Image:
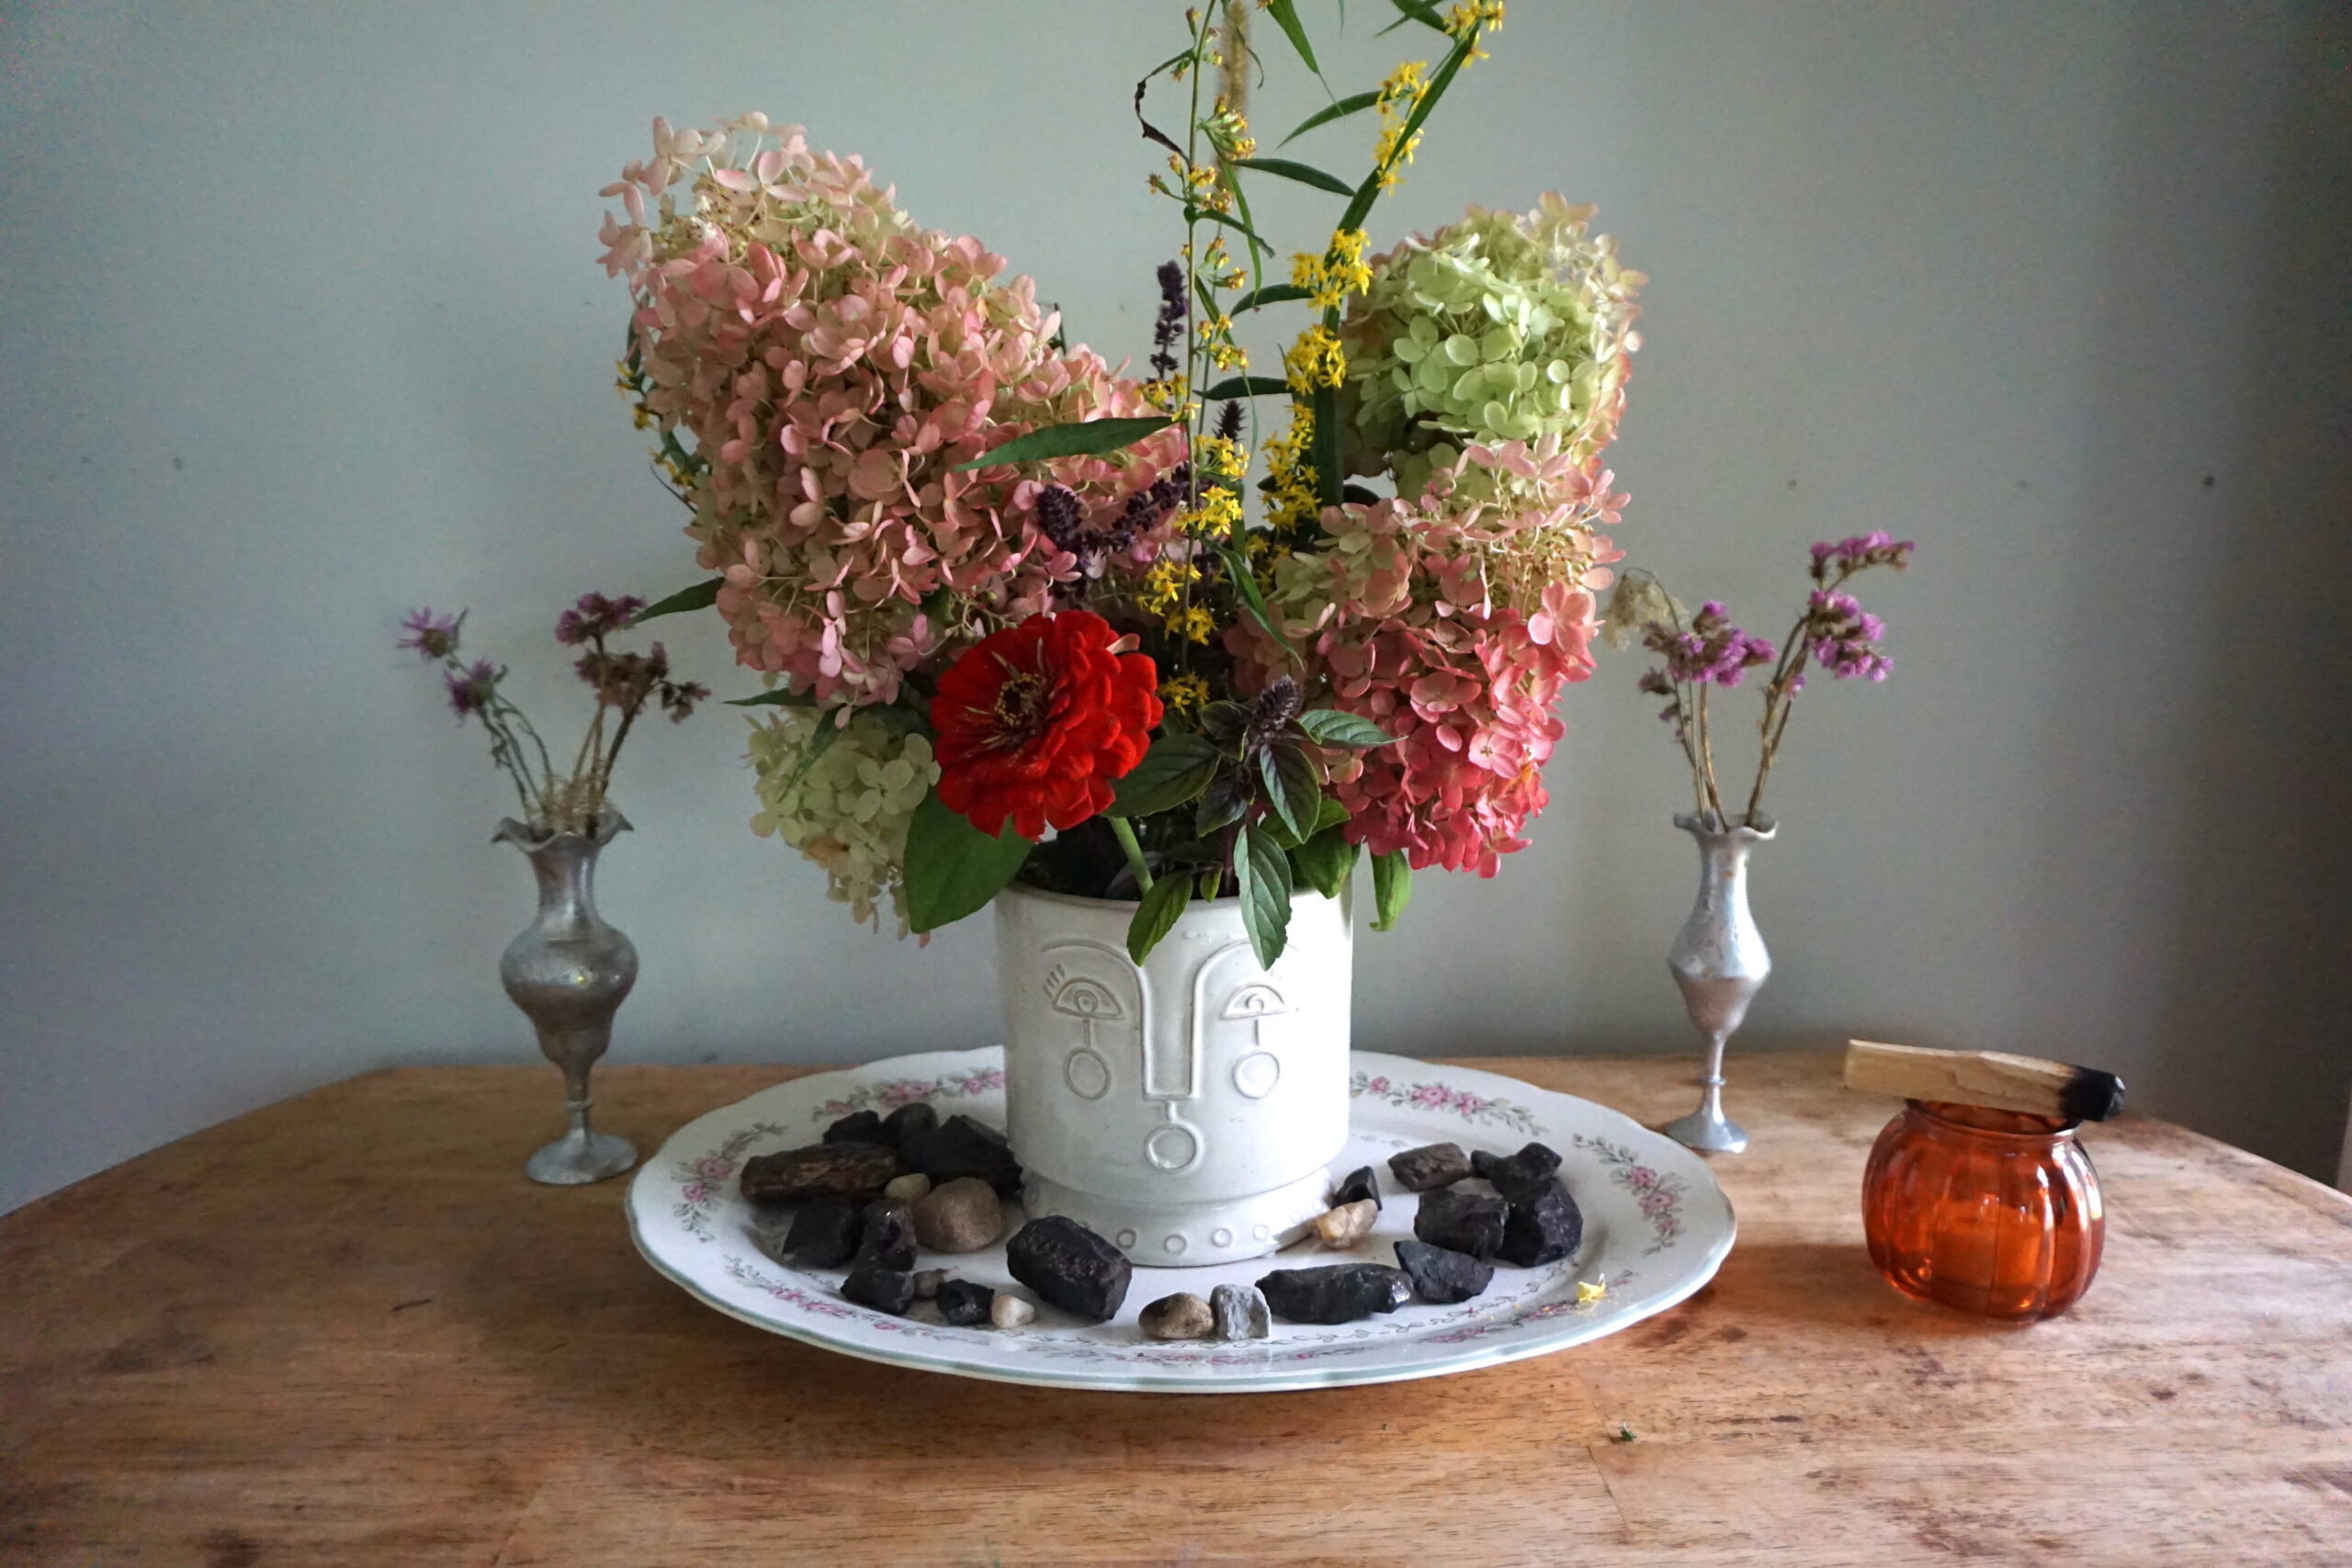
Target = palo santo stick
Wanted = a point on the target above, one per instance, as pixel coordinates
(1991, 1078)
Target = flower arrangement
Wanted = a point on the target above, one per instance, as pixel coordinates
(1014, 608)
(1699, 651)
(571, 801)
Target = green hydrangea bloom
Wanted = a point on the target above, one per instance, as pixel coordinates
(1502, 327)
(843, 797)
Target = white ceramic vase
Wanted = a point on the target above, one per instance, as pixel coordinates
(1187, 1109)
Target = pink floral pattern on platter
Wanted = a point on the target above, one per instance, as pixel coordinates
(1461, 1102)
(898, 1093)
(1659, 1197)
(703, 1179)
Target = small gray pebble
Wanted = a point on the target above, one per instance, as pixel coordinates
(1240, 1312)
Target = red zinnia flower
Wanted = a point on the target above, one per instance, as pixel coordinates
(1034, 721)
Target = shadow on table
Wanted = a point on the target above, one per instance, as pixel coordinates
(1830, 1286)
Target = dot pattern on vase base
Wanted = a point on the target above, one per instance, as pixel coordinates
(1220, 1237)
(1175, 1244)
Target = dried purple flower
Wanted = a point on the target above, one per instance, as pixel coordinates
(596, 616)
(472, 691)
(1849, 556)
(433, 636)
(1843, 635)
(679, 697)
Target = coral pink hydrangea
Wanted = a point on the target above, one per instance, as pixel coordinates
(1453, 622)
(834, 364)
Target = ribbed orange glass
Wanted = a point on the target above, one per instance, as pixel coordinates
(1993, 1213)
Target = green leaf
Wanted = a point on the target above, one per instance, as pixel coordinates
(701, 596)
(1355, 103)
(1082, 440)
(1224, 722)
(953, 868)
(1291, 788)
(1246, 387)
(1331, 814)
(1325, 861)
(779, 698)
(1207, 215)
(1212, 883)
(1325, 445)
(1263, 872)
(1175, 771)
(1272, 294)
(1221, 806)
(1285, 17)
(1163, 901)
(1420, 11)
(1332, 727)
(1392, 889)
(1304, 173)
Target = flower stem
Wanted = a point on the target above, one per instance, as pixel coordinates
(1126, 833)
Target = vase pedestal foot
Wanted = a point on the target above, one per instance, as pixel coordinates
(1708, 1132)
(579, 1158)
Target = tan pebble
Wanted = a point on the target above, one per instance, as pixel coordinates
(907, 1189)
(1347, 1224)
(1009, 1311)
(927, 1282)
(1181, 1316)
(962, 1215)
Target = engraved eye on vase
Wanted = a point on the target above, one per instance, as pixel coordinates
(1186, 1109)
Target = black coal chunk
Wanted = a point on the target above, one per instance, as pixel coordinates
(961, 1146)
(1070, 1265)
(1463, 1222)
(1515, 1176)
(1355, 1187)
(884, 1290)
(888, 1240)
(1545, 1226)
(1442, 1275)
(1339, 1293)
(1429, 1167)
(857, 1127)
(965, 1303)
(908, 1122)
(823, 1234)
(821, 1170)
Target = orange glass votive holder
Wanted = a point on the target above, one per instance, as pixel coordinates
(1994, 1213)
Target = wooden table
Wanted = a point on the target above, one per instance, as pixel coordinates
(343, 1330)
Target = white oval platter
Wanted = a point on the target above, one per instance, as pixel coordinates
(1657, 1227)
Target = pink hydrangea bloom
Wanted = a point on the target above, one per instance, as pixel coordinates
(834, 364)
(1453, 622)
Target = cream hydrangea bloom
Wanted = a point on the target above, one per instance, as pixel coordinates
(1502, 327)
(843, 797)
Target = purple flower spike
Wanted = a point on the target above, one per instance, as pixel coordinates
(433, 636)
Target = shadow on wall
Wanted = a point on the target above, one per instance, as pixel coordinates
(2253, 1034)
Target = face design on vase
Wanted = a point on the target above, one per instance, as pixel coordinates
(1213, 1056)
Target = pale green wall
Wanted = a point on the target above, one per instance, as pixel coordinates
(303, 327)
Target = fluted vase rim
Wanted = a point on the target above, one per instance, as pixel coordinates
(1700, 827)
(532, 837)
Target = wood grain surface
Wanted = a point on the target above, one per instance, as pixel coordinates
(343, 1330)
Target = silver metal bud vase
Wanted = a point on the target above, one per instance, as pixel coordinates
(1719, 963)
(569, 973)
